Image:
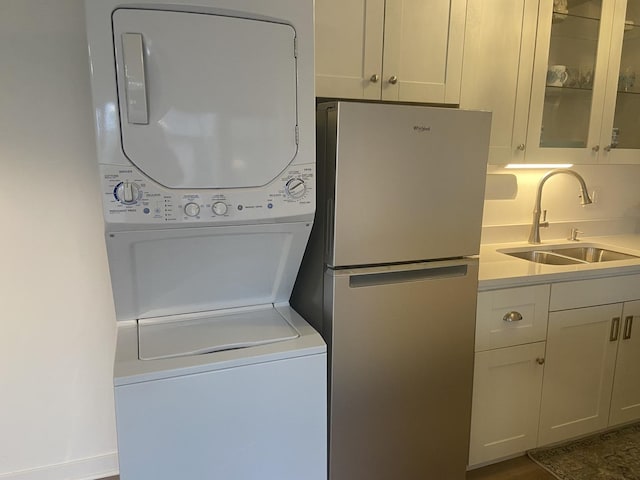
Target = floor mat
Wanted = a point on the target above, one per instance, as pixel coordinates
(613, 455)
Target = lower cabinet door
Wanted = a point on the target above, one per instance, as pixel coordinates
(580, 363)
(507, 384)
(625, 399)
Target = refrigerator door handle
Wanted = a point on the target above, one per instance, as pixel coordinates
(386, 278)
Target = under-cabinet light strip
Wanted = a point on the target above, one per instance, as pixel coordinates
(539, 165)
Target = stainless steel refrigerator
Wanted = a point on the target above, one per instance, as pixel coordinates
(389, 278)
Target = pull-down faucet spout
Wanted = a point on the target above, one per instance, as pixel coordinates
(534, 236)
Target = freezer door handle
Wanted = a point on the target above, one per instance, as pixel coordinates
(386, 278)
(135, 81)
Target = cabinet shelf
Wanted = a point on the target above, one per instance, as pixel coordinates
(628, 92)
(563, 15)
(559, 90)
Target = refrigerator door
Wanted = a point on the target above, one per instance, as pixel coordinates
(403, 183)
(401, 370)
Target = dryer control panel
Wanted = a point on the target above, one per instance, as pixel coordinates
(129, 197)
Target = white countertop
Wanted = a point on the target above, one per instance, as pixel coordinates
(498, 270)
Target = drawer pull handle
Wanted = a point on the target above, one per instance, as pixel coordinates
(628, 324)
(540, 360)
(512, 317)
(615, 329)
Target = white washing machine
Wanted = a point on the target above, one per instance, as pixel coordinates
(204, 113)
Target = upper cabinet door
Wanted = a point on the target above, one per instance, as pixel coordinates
(569, 81)
(621, 121)
(499, 47)
(349, 37)
(397, 50)
(423, 46)
(206, 101)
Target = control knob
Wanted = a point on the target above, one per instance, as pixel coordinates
(219, 208)
(127, 193)
(191, 209)
(295, 188)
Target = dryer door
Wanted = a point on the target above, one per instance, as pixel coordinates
(206, 101)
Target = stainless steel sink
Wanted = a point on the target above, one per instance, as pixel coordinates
(594, 254)
(569, 255)
(543, 256)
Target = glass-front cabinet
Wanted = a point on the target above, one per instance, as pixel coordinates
(585, 102)
(621, 143)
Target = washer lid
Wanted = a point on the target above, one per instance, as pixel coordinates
(206, 333)
(206, 101)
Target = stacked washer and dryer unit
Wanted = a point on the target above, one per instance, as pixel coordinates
(204, 115)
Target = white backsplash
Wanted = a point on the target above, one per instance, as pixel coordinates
(508, 209)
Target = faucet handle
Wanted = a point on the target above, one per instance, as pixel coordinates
(574, 235)
(544, 223)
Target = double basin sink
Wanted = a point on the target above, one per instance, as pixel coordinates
(568, 255)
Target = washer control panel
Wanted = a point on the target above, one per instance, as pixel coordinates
(131, 198)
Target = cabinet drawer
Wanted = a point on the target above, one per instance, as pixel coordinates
(511, 317)
(597, 291)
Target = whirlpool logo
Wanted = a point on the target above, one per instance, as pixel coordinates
(421, 128)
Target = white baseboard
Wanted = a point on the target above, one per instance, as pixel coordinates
(86, 469)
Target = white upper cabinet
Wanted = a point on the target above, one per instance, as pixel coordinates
(560, 77)
(497, 68)
(569, 81)
(585, 104)
(349, 35)
(619, 137)
(395, 50)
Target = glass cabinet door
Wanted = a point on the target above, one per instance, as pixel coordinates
(570, 71)
(620, 135)
(569, 81)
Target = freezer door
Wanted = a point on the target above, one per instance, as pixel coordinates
(401, 345)
(404, 183)
(206, 101)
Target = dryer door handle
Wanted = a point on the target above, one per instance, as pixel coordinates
(135, 80)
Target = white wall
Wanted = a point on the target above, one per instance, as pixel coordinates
(616, 209)
(57, 322)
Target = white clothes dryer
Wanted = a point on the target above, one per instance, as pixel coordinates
(204, 114)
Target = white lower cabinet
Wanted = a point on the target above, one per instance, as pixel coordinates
(506, 401)
(580, 362)
(592, 374)
(551, 381)
(511, 326)
(625, 398)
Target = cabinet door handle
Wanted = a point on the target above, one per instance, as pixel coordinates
(521, 147)
(512, 316)
(628, 324)
(540, 360)
(615, 329)
(393, 80)
(374, 78)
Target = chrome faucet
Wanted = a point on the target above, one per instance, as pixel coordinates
(534, 236)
